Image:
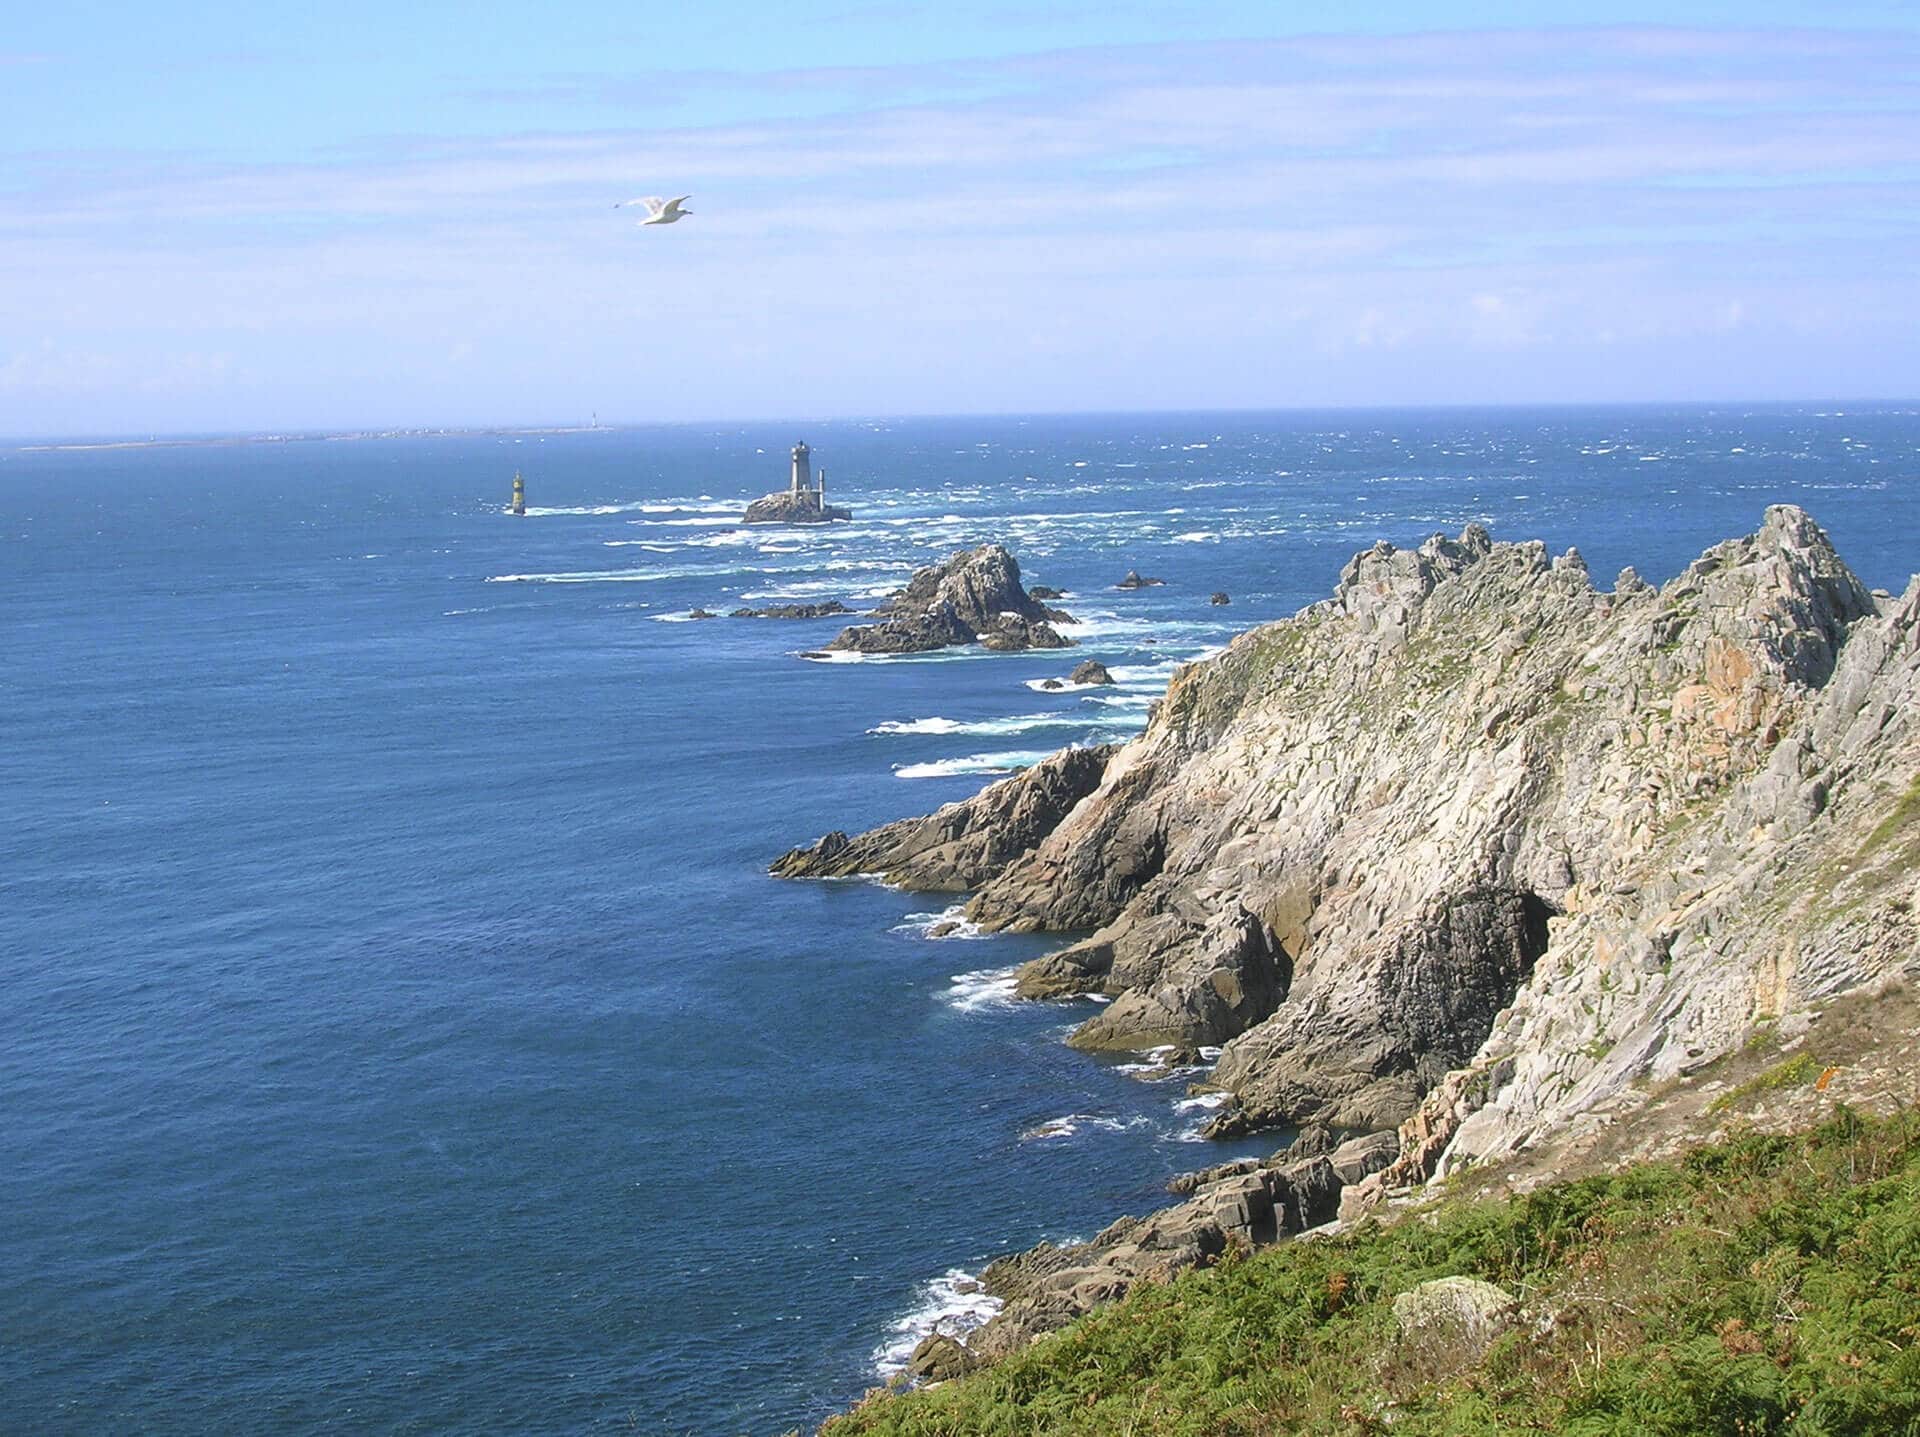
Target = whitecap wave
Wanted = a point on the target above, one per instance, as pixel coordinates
(953, 1304)
(1059, 686)
(974, 763)
(1013, 723)
(985, 988)
(1201, 1103)
(952, 923)
(1073, 1124)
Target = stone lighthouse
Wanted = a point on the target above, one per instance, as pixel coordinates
(805, 501)
(519, 495)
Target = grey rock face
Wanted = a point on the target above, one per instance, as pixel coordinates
(975, 596)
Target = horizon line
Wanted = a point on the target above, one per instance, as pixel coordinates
(43, 443)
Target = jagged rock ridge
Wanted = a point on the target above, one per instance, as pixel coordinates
(1476, 835)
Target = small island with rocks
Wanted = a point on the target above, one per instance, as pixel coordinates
(803, 502)
(974, 597)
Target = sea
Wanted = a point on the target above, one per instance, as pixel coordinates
(401, 1032)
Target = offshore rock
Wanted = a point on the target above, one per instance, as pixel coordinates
(965, 843)
(975, 596)
(794, 611)
(1219, 598)
(788, 507)
(1135, 581)
(1090, 672)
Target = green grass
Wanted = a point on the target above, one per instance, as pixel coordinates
(1767, 1285)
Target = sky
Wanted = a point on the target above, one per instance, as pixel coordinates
(221, 218)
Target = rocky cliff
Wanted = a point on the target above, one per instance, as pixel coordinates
(974, 597)
(1475, 846)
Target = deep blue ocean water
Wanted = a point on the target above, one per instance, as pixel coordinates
(401, 1033)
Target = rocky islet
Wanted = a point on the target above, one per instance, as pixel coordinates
(973, 597)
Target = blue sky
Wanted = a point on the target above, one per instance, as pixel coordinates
(228, 217)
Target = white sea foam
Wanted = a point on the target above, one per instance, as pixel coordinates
(626, 576)
(953, 1304)
(1010, 762)
(983, 989)
(952, 921)
(925, 725)
(1073, 1124)
(1014, 723)
(1197, 536)
(1058, 686)
(1202, 1103)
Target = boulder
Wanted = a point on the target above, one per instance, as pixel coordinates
(940, 1358)
(702, 614)
(1041, 591)
(1218, 597)
(1090, 672)
(1461, 1315)
(1359, 1158)
(1134, 580)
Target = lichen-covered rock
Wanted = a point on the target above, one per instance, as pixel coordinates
(1463, 1313)
(975, 596)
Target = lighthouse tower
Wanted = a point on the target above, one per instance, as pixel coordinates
(519, 495)
(802, 469)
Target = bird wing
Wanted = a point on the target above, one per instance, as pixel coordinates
(673, 206)
(653, 203)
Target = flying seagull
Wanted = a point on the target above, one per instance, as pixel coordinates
(659, 211)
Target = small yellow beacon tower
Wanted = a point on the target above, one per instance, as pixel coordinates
(519, 495)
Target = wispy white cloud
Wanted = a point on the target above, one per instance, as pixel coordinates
(1553, 193)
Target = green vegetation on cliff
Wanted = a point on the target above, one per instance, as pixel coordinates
(1766, 1285)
